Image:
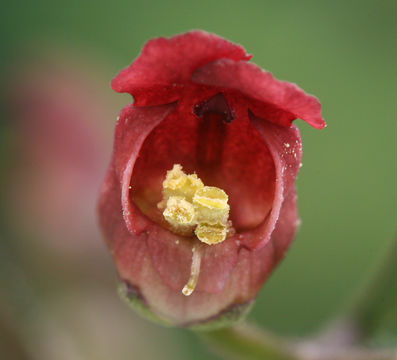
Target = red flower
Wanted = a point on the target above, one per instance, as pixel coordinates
(201, 104)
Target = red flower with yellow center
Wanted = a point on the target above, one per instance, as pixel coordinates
(199, 203)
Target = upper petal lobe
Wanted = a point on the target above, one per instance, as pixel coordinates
(291, 101)
(167, 64)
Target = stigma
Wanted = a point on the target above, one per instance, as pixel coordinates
(193, 209)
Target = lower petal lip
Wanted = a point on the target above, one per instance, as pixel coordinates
(253, 266)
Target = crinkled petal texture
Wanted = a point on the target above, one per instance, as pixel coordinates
(199, 103)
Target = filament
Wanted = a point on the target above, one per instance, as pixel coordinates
(194, 272)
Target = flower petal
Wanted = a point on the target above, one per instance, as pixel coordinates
(282, 101)
(165, 65)
(133, 126)
(172, 257)
(285, 147)
(128, 250)
(252, 268)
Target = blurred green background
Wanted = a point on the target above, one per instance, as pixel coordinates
(344, 52)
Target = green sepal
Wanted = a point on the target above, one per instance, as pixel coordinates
(226, 318)
(135, 301)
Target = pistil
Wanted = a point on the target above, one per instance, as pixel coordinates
(194, 272)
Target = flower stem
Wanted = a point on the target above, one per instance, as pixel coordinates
(243, 341)
(246, 342)
(374, 299)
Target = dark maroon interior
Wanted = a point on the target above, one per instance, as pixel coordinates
(224, 150)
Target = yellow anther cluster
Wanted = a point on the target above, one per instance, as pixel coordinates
(191, 206)
(177, 183)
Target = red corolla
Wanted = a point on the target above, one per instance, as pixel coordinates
(199, 204)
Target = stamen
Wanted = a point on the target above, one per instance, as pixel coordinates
(179, 211)
(211, 234)
(180, 214)
(190, 207)
(177, 183)
(211, 205)
(194, 272)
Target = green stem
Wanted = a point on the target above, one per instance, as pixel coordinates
(246, 342)
(361, 317)
(376, 297)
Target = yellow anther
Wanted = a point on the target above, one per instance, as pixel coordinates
(211, 197)
(177, 183)
(211, 234)
(180, 214)
(189, 205)
(179, 211)
(211, 205)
